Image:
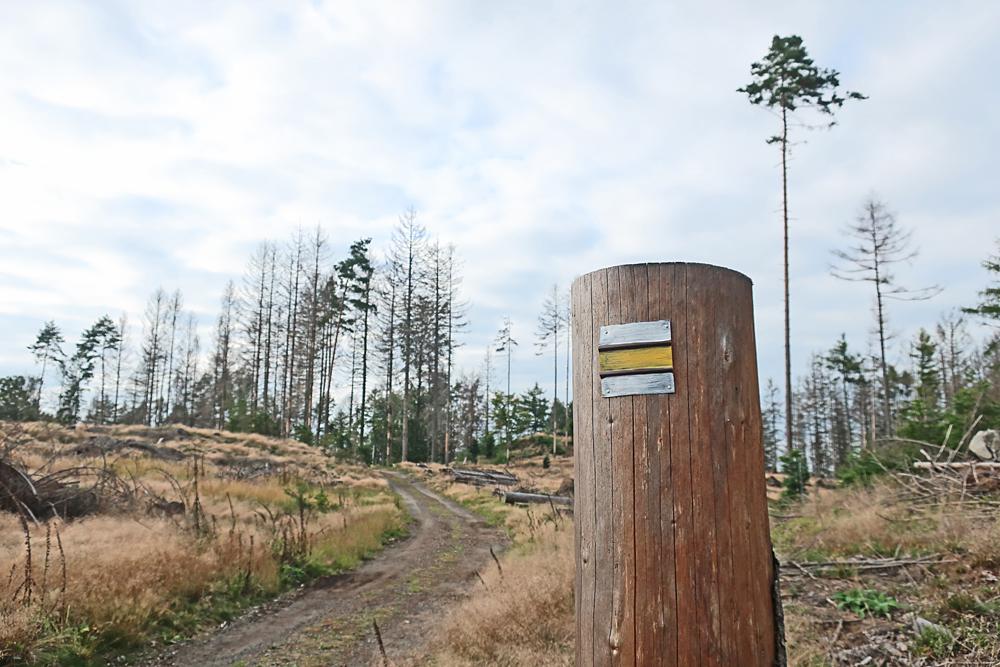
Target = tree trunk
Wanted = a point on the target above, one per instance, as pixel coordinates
(555, 370)
(118, 367)
(509, 415)
(566, 418)
(885, 367)
(788, 327)
(364, 366)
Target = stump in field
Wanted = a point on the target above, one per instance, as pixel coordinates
(673, 555)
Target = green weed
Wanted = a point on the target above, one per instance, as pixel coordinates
(866, 602)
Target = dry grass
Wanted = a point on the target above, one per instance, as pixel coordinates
(527, 617)
(874, 522)
(961, 594)
(43, 440)
(523, 617)
(133, 573)
(520, 523)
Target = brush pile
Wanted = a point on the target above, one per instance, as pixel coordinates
(61, 492)
(941, 479)
(67, 493)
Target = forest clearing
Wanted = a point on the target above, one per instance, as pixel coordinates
(903, 569)
(360, 333)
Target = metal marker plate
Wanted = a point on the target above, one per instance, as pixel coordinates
(632, 360)
(634, 334)
(629, 385)
(635, 359)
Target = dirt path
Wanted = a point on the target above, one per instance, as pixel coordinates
(405, 589)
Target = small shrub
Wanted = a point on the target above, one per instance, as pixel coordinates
(963, 603)
(303, 434)
(934, 643)
(488, 445)
(291, 575)
(793, 464)
(859, 470)
(866, 602)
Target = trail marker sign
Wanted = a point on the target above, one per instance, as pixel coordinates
(673, 549)
(635, 359)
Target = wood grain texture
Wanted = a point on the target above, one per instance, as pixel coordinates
(665, 290)
(736, 346)
(649, 607)
(673, 550)
(685, 565)
(636, 359)
(708, 465)
(621, 308)
(604, 526)
(757, 521)
(584, 466)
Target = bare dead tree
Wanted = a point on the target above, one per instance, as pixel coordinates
(878, 244)
(550, 328)
(408, 241)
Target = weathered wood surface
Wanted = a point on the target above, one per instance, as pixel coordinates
(673, 550)
(623, 622)
(636, 360)
(634, 333)
(584, 465)
(604, 519)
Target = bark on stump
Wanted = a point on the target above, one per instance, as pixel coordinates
(673, 553)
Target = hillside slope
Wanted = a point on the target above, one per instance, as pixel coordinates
(123, 538)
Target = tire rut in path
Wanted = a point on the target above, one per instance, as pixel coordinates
(405, 589)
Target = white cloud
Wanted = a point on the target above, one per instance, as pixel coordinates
(143, 147)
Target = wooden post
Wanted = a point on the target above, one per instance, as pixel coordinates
(673, 553)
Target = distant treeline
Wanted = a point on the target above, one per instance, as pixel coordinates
(355, 354)
(853, 401)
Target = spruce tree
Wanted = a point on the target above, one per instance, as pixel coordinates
(848, 368)
(989, 298)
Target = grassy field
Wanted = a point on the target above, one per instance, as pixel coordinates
(894, 572)
(937, 600)
(181, 528)
(941, 606)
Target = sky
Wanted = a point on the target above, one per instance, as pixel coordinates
(152, 144)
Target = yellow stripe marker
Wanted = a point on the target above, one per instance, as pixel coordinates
(636, 360)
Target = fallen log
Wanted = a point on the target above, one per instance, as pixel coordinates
(511, 497)
(101, 444)
(482, 477)
(483, 473)
(977, 465)
(863, 564)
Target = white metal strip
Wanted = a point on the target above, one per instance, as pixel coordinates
(634, 333)
(633, 385)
